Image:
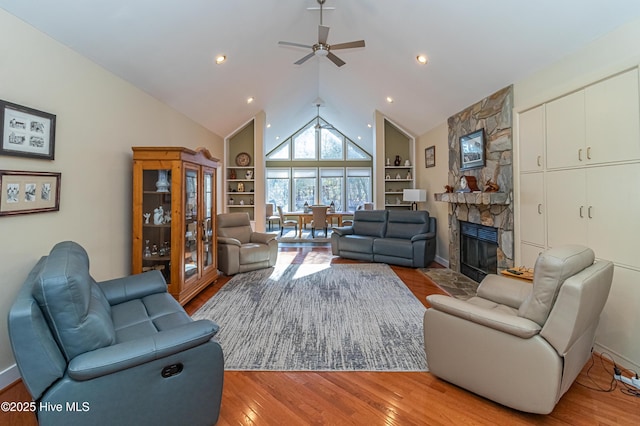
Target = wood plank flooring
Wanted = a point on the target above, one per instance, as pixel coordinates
(366, 398)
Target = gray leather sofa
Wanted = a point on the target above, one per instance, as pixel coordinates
(121, 351)
(521, 344)
(398, 237)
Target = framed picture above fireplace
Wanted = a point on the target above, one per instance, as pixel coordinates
(472, 150)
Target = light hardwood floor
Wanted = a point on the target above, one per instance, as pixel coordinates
(366, 398)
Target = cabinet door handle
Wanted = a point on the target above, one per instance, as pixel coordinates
(581, 208)
(539, 208)
(539, 160)
(580, 154)
(588, 153)
(589, 212)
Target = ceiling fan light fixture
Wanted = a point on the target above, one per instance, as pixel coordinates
(422, 59)
(321, 49)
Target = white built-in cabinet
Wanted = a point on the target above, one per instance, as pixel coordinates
(579, 171)
(595, 125)
(579, 182)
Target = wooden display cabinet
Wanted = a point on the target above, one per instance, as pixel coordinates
(174, 217)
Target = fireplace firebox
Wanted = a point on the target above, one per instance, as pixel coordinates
(478, 250)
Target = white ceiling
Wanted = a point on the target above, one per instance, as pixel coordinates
(475, 47)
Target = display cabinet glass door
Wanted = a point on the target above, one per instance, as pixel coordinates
(208, 218)
(191, 224)
(156, 222)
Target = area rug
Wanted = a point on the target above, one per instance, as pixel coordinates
(355, 317)
(456, 284)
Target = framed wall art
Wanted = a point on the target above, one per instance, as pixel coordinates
(430, 156)
(26, 132)
(472, 150)
(29, 192)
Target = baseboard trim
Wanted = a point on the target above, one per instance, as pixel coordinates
(444, 262)
(9, 376)
(619, 359)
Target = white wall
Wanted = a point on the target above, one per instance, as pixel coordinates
(619, 50)
(99, 118)
(433, 180)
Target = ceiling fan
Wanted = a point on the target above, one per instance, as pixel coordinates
(321, 48)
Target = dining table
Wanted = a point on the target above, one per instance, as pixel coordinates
(304, 216)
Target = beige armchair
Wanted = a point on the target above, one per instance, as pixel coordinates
(240, 249)
(516, 343)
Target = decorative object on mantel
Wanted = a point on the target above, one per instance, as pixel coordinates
(491, 186)
(448, 189)
(397, 161)
(472, 150)
(468, 184)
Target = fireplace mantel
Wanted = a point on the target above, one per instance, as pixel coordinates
(480, 198)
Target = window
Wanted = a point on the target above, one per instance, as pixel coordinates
(331, 145)
(332, 187)
(304, 144)
(358, 187)
(305, 182)
(282, 152)
(354, 152)
(279, 187)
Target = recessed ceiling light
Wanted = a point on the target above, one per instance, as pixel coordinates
(268, 125)
(369, 125)
(422, 59)
(359, 138)
(389, 99)
(250, 99)
(277, 137)
(220, 59)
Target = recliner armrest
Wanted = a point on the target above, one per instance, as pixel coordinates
(262, 237)
(343, 230)
(230, 241)
(131, 287)
(122, 356)
(425, 236)
(511, 324)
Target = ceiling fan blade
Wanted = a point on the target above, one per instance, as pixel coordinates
(304, 59)
(288, 43)
(333, 58)
(349, 45)
(323, 34)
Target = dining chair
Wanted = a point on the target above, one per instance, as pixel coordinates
(319, 219)
(271, 217)
(286, 222)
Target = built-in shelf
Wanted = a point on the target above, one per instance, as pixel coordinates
(478, 197)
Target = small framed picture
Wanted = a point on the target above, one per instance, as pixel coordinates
(472, 150)
(26, 132)
(29, 192)
(430, 156)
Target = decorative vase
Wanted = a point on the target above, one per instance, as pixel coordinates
(306, 207)
(397, 161)
(162, 185)
(332, 207)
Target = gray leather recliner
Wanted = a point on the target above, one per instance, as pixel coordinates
(521, 344)
(121, 351)
(240, 249)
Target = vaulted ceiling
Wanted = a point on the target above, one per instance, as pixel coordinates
(475, 47)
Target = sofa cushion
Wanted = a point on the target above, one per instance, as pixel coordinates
(372, 223)
(357, 243)
(406, 224)
(76, 308)
(395, 247)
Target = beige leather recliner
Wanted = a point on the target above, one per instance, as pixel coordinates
(240, 249)
(519, 344)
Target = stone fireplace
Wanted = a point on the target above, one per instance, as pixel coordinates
(489, 209)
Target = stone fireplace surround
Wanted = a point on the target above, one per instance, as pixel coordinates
(495, 209)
